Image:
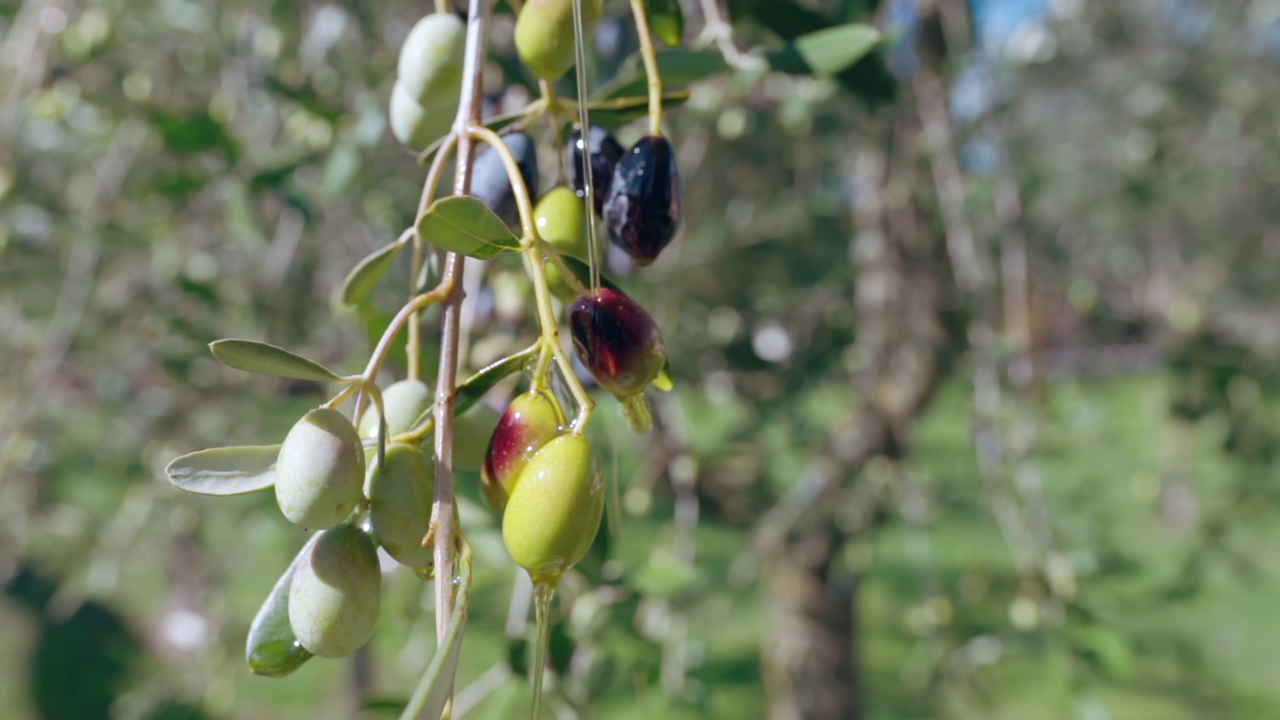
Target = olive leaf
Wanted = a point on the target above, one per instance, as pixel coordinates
(364, 277)
(677, 67)
(265, 359)
(432, 693)
(469, 391)
(225, 470)
(271, 648)
(615, 112)
(464, 225)
(827, 51)
(666, 19)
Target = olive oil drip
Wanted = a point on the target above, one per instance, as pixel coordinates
(584, 132)
(543, 589)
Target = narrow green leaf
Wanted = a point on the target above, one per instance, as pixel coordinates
(583, 271)
(271, 648)
(266, 359)
(225, 470)
(364, 277)
(666, 20)
(436, 686)
(678, 68)
(470, 391)
(615, 112)
(827, 51)
(463, 224)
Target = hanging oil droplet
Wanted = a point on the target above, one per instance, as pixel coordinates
(425, 573)
(542, 592)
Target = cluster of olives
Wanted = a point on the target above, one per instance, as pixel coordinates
(545, 482)
(424, 100)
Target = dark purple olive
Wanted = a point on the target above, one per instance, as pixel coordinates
(605, 153)
(489, 180)
(621, 346)
(643, 207)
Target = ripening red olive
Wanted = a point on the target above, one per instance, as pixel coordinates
(621, 345)
(530, 421)
(643, 206)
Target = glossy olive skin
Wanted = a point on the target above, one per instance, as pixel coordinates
(401, 491)
(554, 511)
(430, 64)
(605, 154)
(403, 402)
(561, 219)
(643, 207)
(320, 470)
(544, 34)
(530, 422)
(336, 592)
(415, 125)
(489, 180)
(617, 341)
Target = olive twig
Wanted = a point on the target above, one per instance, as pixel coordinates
(551, 336)
(413, 350)
(343, 394)
(544, 364)
(650, 66)
(380, 352)
(523, 203)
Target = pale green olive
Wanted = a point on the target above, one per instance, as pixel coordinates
(320, 470)
(544, 34)
(402, 403)
(430, 67)
(554, 511)
(401, 491)
(561, 219)
(418, 126)
(336, 593)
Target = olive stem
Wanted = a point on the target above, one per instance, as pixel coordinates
(413, 351)
(523, 203)
(437, 294)
(553, 109)
(343, 394)
(442, 6)
(551, 336)
(650, 66)
(442, 509)
(570, 277)
(544, 365)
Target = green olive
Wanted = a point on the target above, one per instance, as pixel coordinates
(561, 219)
(430, 67)
(544, 34)
(401, 491)
(336, 592)
(418, 126)
(529, 423)
(402, 403)
(320, 470)
(554, 511)
(471, 432)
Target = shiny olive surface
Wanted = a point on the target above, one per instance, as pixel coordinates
(643, 206)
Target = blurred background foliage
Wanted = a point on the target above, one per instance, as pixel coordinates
(974, 344)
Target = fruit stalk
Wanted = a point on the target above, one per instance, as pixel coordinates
(650, 65)
(442, 511)
(551, 337)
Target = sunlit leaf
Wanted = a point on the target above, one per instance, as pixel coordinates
(827, 51)
(436, 686)
(364, 277)
(225, 470)
(272, 649)
(463, 224)
(666, 20)
(678, 68)
(265, 359)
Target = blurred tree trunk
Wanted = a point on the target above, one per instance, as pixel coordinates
(810, 663)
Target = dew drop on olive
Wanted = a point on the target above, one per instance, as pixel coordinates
(336, 593)
(544, 34)
(554, 511)
(489, 181)
(401, 491)
(643, 206)
(430, 64)
(530, 422)
(320, 470)
(605, 154)
(402, 402)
